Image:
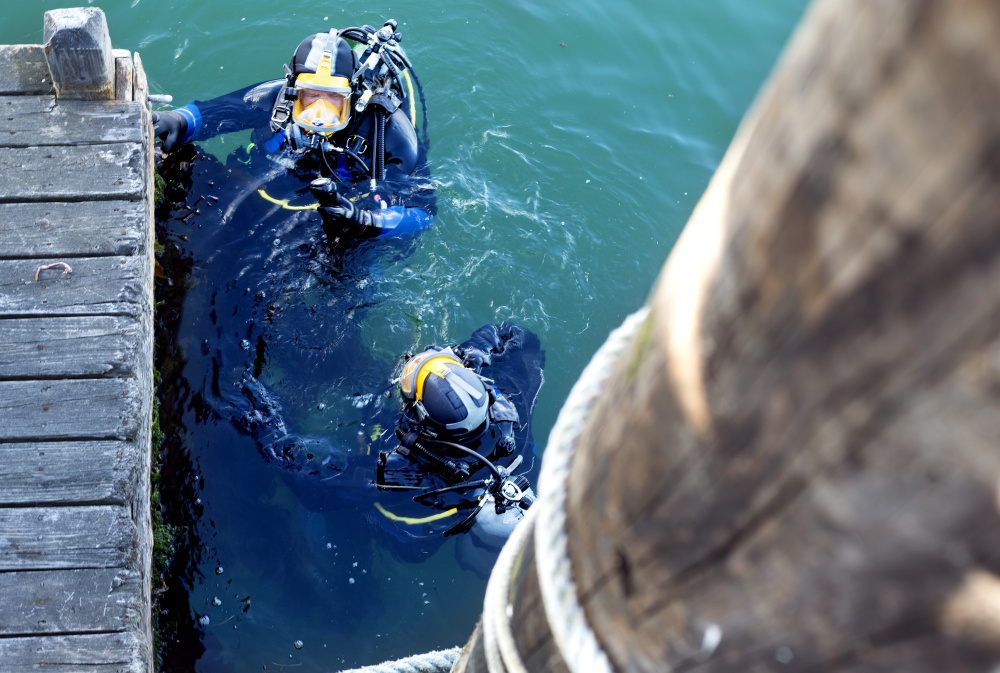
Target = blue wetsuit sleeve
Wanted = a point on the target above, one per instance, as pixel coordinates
(247, 108)
(192, 115)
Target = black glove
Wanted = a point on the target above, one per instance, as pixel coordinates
(341, 215)
(171, 126)
(474, 358)
(506, 445)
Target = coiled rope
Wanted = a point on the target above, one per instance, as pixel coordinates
(439, 661)
(545, 523)
(573, 636)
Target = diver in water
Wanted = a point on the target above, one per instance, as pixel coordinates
(343, 123)
(456, 432)
(454, 462)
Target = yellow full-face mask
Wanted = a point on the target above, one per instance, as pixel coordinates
(322, 115)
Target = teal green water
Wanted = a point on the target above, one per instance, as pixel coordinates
(570, 142)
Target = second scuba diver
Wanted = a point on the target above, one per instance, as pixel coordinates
(343, 126)
(455, 460)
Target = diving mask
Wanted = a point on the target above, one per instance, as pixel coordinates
(322, 115)
(324, 98)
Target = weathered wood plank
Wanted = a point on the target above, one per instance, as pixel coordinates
(23, 70)
(35, 121)
(70, 409)
(96, 600)
(70, 228)
(742, 472)
(74, 172)
(87, 346)
(53, 538)
(124, 76)
(86, 472)
(109, 285)
(94, 653)
(140, 87)
(78, 51)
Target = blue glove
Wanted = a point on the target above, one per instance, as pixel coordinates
(171, 126)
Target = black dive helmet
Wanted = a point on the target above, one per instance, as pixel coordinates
(448, 414)
(448, 399)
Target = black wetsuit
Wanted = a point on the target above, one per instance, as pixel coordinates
(385, 476)
(405, 197)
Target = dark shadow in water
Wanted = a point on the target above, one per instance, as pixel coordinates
(258, 320)
(179, 640)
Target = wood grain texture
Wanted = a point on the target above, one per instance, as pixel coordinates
(76, 377)
(96, 285)
(70, 409)
(140, 87)
(99, 171)
(124, 76)
(23, 71)
(68, 473)
(800, 451)
(68, 601)
(78, 52)
(117, 652)
(66, 538)
(87, 346)
(68, 229)
(38, 121)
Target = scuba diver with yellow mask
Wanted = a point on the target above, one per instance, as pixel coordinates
(342, 122)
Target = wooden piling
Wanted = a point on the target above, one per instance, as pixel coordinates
(796, 465)
(75, 351)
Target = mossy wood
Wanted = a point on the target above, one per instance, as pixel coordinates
(76, 372)
(796, 466)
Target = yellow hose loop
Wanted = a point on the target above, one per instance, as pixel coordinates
(284, 202)
(287, 206)
(410, 520)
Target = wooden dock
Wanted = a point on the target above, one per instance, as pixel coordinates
(76, 366)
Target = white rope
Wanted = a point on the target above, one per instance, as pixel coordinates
(439, 661)
(545, 520)
(498, 641)
(573, 636)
